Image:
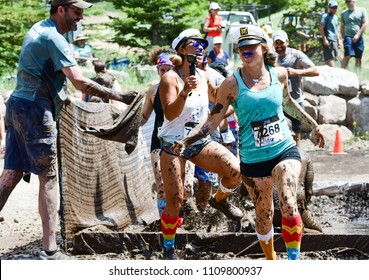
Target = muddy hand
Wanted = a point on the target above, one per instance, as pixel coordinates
(319, 138)
(178, 148)
(128, 96)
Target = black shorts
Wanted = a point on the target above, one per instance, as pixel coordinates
(264, 168)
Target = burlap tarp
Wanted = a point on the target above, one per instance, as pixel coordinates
(100, 183)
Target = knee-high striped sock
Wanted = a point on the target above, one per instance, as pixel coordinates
(292, 234)
(169, 228)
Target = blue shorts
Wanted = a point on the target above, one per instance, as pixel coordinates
(264, 168)
(189, 152)
(353, 49)
(202, 175)
(31, 137)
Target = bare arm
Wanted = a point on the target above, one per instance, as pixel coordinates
(173, 96)
(307, 72)
(292, 108)
(212, 90)
(322, 33)
(148, 105)
(363, 27)
(88, 86)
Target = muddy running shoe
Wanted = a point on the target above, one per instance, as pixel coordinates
(310, 222)
(1, 218)
(56, 256)
(232, 212)
(170, 255)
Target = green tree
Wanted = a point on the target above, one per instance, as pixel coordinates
(16, 18)
(156, 22)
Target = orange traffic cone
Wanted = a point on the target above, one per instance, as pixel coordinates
(338, 145)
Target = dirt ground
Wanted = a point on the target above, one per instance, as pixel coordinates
(338, 213)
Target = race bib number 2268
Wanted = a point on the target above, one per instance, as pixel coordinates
(267, 132)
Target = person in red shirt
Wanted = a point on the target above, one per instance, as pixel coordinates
(213, 24)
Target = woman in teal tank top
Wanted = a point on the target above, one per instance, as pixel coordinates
(269, 156)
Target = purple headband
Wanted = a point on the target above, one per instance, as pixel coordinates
(163, 59)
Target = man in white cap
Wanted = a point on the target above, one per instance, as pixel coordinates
(329, 32)
(298, 65)
(33, 108)
(213, 24)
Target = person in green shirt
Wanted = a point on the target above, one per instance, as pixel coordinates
(354, 21)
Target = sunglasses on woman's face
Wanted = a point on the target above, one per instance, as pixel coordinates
(197, 43)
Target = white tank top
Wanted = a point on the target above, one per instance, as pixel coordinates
(194, 111)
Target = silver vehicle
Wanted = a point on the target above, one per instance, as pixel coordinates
(230, 21)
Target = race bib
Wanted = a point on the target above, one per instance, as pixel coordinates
(267, 132)
(188, 127)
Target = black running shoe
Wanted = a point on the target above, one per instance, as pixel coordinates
(170, 255)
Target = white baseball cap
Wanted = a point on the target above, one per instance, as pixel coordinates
(214, 6)
(191, 33)
(333, 4)
(250, 35)
(280, 35)
(217, 40)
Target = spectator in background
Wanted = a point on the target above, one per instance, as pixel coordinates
(303, 36)
(103, 77)
(268, 30)
(354, 21)
(213, 24)
(329, 32)
(83, 52)
(217, 54)
(298, 65)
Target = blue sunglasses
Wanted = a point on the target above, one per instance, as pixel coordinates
(197, 43)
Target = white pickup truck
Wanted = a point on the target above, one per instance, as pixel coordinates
(230, 20)
(236, 18)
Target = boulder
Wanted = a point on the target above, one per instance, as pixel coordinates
(332, 81)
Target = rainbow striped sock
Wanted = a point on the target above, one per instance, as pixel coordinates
(292, 234)
(169, 228)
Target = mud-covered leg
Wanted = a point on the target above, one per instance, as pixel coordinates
(286, 175)
(260, 191)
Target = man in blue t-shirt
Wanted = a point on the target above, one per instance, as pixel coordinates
(33, 108)
(329, 32)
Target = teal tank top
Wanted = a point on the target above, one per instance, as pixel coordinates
(263, 129)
